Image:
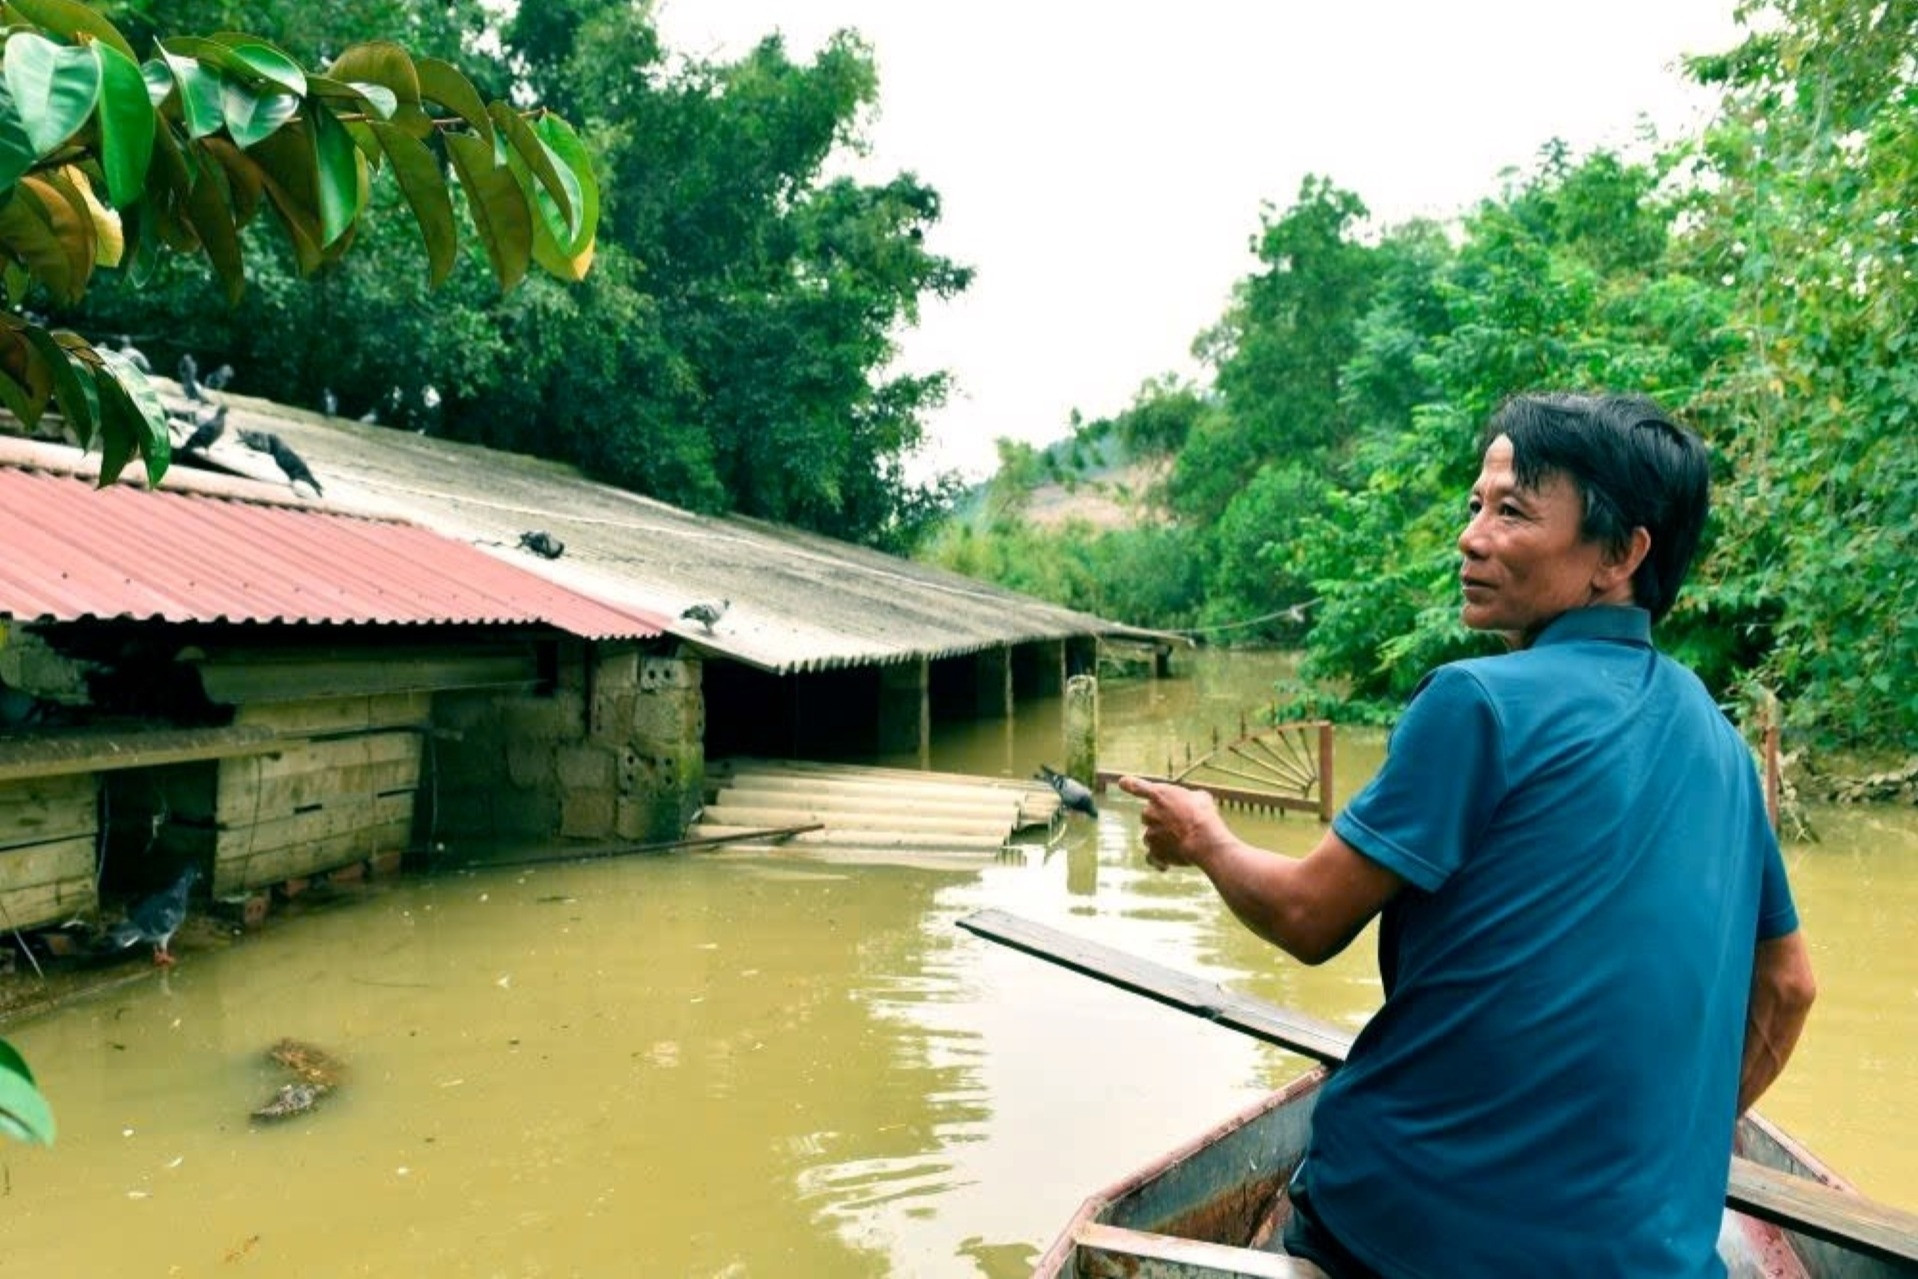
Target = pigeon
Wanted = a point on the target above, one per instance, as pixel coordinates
(1073, 793)
(706, 614)
(155, 919)
(135, 356)
(190, 378)
(207, 428)
(282, 453)
(329, 402)
(542, 544)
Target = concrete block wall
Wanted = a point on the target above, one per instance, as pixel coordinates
(615, 753)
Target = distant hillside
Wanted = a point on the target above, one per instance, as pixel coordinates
(1090, 477)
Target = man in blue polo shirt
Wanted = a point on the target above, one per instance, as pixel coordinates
(1590, 955)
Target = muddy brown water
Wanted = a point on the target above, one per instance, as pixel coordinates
(742, 1064)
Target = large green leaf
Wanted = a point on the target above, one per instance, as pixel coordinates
(577, 164)
(54, 87)
(252, 115)
(246, 185)
(379, 63)
(134, 420)
(28, 235)
(72, 389)
(254, 58)
(212, 215)
(424, 187)
(72, 20)
(200, 96)
(126, 124)
(26, 383)
(441, 82)
(16, 148)
(338, 182)
(24, 1114)
(286, 169)
(499, 208)
(523, 146)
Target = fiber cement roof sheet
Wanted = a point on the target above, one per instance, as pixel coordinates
(798, 601)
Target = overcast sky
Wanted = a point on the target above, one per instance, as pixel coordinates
(1102, 165)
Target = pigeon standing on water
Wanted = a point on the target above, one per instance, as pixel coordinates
(1073, 793)
(156, 919)
(707, 614)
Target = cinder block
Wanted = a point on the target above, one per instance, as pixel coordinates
(618, 670)
(587, 815)
(586, 767)
(530, 764)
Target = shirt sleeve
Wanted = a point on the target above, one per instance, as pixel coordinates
(1442, 780)
(1777, 913)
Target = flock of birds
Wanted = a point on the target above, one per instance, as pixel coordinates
(205, 418)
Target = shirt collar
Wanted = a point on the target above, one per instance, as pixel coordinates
(1624, 624)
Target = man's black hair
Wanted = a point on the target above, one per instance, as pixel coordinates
(1634, 468)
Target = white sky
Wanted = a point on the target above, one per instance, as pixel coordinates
(1102, 165)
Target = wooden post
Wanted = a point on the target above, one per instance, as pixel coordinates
(1325, 770)
(1082, 728)
(905, 710)
(992, 676)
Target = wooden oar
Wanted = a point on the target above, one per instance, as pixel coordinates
(1796, 1203)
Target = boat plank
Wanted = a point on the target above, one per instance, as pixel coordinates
(1803, 1205)
(1114, 1250)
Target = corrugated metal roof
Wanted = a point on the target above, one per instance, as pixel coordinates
(798, 601)
(75, 552)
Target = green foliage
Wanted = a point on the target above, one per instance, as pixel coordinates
(1758, 280)
(109, 163)
(731, 349)
(24, 1113)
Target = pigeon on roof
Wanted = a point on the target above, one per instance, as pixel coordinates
(135, 356)
(208, 426)
(190, 378)
(289, 462)
(542, 544)
(155, 919)
(707, 615)
(1073, 793)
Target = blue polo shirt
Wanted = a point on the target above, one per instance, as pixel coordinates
(1550, 1086)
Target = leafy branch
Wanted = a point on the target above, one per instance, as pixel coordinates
(109, 162)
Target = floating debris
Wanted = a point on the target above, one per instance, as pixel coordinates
(316, 1073)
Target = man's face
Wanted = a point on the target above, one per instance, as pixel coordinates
(1525, 562)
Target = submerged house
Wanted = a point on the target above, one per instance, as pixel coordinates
(454, 646)
(211, 673)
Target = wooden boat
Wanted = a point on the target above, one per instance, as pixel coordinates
(1215, 1208)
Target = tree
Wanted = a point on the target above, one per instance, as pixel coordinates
(108, 162)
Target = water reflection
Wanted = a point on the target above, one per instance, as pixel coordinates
(736, 1064)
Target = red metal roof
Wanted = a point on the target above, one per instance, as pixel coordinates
(70, 551)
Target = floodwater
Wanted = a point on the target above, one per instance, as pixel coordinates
(744, 1064)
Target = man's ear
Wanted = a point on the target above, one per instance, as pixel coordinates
(1617, 566)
